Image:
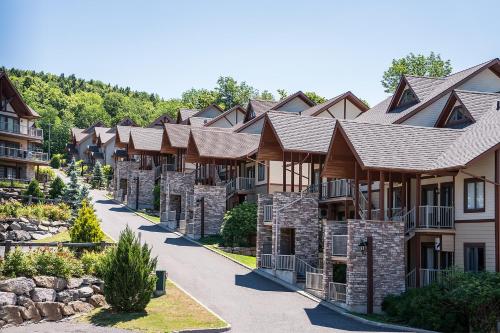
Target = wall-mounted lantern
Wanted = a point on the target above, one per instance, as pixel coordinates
(362, 246)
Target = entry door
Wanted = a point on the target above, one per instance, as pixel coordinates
(446, 195)
(429, 198)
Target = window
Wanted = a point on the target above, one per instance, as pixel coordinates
(458, 118)
(473, 195)
(474, 257)
(261, 171)
(407, 98)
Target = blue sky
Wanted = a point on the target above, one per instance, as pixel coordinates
(167, 47)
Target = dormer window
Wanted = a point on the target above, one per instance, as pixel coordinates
(458, 118)
(407, 98)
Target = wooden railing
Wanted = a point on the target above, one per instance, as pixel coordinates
(411, 279)
(268, 213)
(409, 220)
(339, 245)
(22, 154)
(337, 292)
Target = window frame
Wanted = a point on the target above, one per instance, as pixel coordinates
(467, 181)
(453, 123)
(260, 167)
(475, 245)
(404, 94)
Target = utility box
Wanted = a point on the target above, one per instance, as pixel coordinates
(161, 283)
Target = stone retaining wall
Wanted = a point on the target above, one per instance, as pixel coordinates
(23, 229)
(46, 297)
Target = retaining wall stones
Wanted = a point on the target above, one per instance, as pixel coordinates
(215, 207)
(264, 231)
(23, 229)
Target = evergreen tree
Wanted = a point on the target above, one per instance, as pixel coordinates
(128, 274)
(86, 228)
(56, 188)
(34, 189)
(97, 176)
(85, 193)
(55, 162)
(72, 166)
(73, 191)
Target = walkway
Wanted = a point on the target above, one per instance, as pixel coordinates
(248, 301)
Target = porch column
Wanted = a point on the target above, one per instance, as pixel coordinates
(284, 173)
(300, 172)
(292, 174)
(389, 196)
(417, 254)
(369, 208)
(356, 191)
(311, 171)
(404, 204)
(381, 196)
(417, 201)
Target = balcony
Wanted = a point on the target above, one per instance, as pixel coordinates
(245, 184)
(338, 188)
(430, 217)
(431, 275)
(23, 155)
(22, 130)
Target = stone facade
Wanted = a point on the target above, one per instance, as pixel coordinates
(175, 186)
(146, 180)
(122, 173)
(388, 262)
(30, 171)
(264, 232)
(215, 207)
(331, 228)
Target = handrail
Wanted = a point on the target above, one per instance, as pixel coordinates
(411, 279)
(266, 260)
(23, 154)
(230, 187)
(285, 262)
(314, 281)
(245, 183)
(302, 267)
(436, 217)
(21, 129)
(337, 292)
(409, 220)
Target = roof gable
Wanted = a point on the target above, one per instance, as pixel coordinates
(281, 105)
(10, 95)
(227, 114)
(319, 108)
(145, 139)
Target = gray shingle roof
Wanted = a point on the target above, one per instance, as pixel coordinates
(148, 139)
(178, 134)
(224, 144)
(423, 86)
(302, 133)
(123, 133)
(429, 93)
(186, 113)
(261, 106)
(477, 103)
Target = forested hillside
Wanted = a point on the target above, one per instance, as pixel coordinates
(68, 101)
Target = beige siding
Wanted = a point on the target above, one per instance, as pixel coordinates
(276, 170)
(295, 105)
(475, 233)
(255, 128)
(211, 112)
(485, 81)
(429, 115)
(482, 167)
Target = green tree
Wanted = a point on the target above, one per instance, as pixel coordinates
(282, 93)
(266, 95)
(107, 171)
(198, 98)
(72, 192)
(84, 193)
(315, 97)
(156, 197)
(55, 162)
(97, 176)
(128, 274)
(86, 228)
(420, 65)
(231, 93)
(56, 188)
(72, 165)
(239, 224)
(34, 189)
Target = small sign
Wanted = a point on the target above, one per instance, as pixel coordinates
(437, 244)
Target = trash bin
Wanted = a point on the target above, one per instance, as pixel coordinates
(161, 283)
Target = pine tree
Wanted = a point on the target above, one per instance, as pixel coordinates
(86, 227)
(73, 191)
(97, 176)
(128, 274)
(72, 166)
(56, 188)
(85, 193)
(34, 189)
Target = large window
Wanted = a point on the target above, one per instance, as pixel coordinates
(458, 118)
(474, 257)
(473, 195)
(261, 171)
(407, 98)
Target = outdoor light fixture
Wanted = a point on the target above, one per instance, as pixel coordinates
(362, 246)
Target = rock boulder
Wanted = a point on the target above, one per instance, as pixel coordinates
(11, 314)
(7, 298)
(51, 282)
(49, 310)
(97, 301)
(81, 307)
(43, 295)
(18, 286)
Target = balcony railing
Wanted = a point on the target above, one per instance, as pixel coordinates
(21, 129)
(337, 292)
(314, 281)
(268, 214)
(339, 245)
(266, 261)
(21, 154)
(432, 275)
(245, 184)
(411, 279)
(436, 217)
(157, 171)
(336, 188)
(285, 262)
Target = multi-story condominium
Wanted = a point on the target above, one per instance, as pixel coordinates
(411, 188)
(20, 140)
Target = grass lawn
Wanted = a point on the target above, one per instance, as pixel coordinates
(171, 312)
(250, 261)
(152, 218)
(64, 237)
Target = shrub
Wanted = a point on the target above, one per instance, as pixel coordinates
(86, 227)
(460, 302)
(34, 189)
(92, 262)
(55, 162)
(18, 263)
(239, 224)
(45, 174)
(56, 188)
(72, 192)
(59, 212)
(156, 197)
(60, 262)
(107, 170)
(97, 176)
(128, 274)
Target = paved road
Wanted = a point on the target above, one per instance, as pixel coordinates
(248, 301)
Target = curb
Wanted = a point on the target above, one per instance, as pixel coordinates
(289, 286)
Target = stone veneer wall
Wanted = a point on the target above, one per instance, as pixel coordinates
(330, 228)
(301, 215)
(264, 232)
(146, 187)
(122, 171)
(30, 171)
(175, 183)
(388, 262)
(215, 207)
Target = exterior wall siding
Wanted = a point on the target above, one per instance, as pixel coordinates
(428, 116)
(475, 232)
(485, 81)
(295, 105)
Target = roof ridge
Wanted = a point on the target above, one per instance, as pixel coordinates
(400, 125)
(471, 67)
(477, 92)
(427, 77)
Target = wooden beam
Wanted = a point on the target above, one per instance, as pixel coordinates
(300, 173)
(417, 200)
(356, 191)
(381, 196)
(369, 208)
(292, 174)
(284, 173)
(389, 196)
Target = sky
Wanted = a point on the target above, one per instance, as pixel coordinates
(167, 47)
